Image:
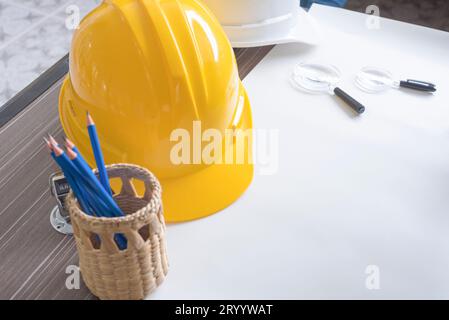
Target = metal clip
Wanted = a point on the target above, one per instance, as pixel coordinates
(59, 217)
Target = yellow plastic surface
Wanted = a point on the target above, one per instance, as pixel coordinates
(143, 69)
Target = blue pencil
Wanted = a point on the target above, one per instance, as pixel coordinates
(70, 145)
(54, 142)
(91, 181)
(74, 163)
(73, 185)
(87, 192)
(71, 173)
(92, 189)
(98, 154)
(94, 199)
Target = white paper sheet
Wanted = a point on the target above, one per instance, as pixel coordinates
(354, 197)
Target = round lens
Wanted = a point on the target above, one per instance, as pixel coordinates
(314, 77)
(374, 80)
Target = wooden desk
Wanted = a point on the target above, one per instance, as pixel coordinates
(33, 256)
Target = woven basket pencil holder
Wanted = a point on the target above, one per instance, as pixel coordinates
(132, 273)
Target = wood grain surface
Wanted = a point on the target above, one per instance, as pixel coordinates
(33, 256)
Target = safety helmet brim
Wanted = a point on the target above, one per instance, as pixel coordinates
(209, 190)
(305, 30)
(192, 196)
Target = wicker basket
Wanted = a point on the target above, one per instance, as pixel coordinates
(133, 273)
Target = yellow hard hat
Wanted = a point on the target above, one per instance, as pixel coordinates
(144, 68)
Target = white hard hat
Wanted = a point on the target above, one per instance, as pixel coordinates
(252, 23)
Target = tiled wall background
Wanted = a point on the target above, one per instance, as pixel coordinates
(33, 36)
